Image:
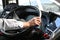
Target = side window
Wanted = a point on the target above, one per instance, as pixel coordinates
(50, 6)
(1, 6)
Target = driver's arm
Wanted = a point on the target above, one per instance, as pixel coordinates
(12, 24)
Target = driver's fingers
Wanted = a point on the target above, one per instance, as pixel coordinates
(37, 22)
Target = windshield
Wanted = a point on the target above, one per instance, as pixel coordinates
(50, 6)
(47, 5)
(27, 2)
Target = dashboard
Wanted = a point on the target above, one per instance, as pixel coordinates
(53, 29)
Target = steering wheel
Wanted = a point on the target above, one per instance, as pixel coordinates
(45, 19)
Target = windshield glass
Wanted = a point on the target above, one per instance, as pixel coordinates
(46, 4)
(50, 6)
(27, 2)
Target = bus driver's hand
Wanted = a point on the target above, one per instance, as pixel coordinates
(33, 22)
